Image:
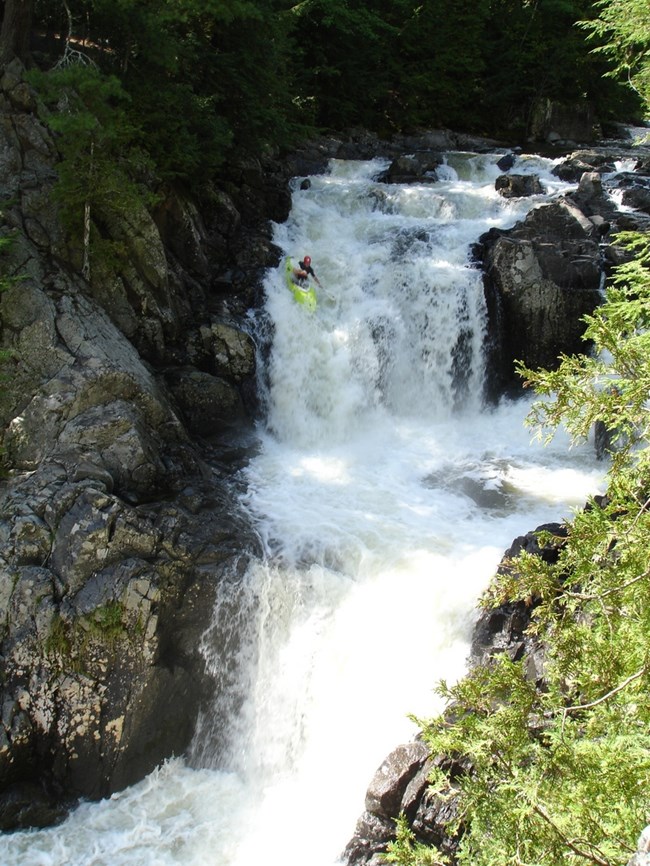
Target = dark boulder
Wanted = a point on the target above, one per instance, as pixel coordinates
(518, 185)
(574, 166)
(541, 278)
(507, 162)
(384, 796)
(636, 191)
(413, 168)
(504, 628)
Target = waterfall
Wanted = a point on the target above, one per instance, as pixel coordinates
(384, 492)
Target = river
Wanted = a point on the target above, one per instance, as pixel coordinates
(384, 493)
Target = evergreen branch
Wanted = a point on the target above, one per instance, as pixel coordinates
(614, 589)
(609, 695)
(594, 858)
(539, 810)
(643, 508)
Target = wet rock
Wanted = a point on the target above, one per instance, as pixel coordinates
(387, 788)
(207, 403)
(370, 841)
(507, 162)
(579, 162)
(100, 651)
(413, 168)
(26, 805)
(518, 185)
(233, 351)
(541, 278)
(594, 201)
(504, 628)
(397, 786)
(636, 190)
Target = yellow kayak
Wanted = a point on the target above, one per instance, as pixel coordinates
(305, 296)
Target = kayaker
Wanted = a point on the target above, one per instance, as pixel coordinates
(304, 271)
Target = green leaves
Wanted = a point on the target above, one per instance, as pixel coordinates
(196, 80)
(346, 60)
(622, 30)
(206, 79)
(102, 161)
(559, 772)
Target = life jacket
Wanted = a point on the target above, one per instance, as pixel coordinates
(308, 268)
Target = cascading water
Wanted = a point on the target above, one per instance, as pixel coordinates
(385, 495)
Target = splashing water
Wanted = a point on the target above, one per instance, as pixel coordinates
(385, 495)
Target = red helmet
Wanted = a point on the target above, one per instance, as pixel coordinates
(307, 260)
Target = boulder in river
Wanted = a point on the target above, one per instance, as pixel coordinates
(541, 277)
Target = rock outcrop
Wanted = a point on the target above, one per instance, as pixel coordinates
(554, 122)
(542, 277)
(547, 272)
(117, 532)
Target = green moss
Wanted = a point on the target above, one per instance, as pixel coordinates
(58, 641)
(68, 644)
(106, 623)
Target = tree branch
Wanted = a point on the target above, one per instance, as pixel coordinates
(594, 858)
(609, 695)
(606, 592)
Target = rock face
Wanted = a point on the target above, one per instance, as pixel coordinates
(546, 273)
(555, 122)
(542, 276)
(117, 533)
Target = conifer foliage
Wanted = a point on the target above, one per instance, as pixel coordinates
(203, 79)
(559, 771)
(621, 31)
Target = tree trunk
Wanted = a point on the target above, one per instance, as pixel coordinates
(16, 30)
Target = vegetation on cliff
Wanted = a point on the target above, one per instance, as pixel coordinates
(192, 81)
(557, 770)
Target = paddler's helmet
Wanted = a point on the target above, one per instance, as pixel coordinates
(307, 260)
